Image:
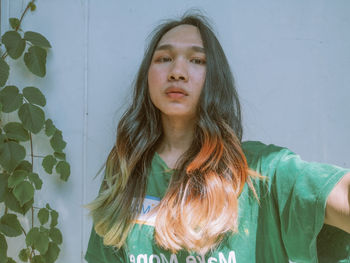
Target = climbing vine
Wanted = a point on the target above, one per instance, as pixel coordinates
(22, 117)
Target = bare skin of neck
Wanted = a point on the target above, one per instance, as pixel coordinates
(177, 138)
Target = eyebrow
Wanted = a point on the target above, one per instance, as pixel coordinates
(171, 47)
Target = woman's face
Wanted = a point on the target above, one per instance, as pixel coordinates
(177, 72)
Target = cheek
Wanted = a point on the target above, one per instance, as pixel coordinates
(154, 77)
(198, 81)
(203, 74)
(154, 84)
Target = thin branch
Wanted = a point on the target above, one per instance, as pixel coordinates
(32, 155)
(4, 55)
(19, 24)
(32, 217)
(31, 149)
(31, 255)
(22, 16)
(24, 231)
(38, 156)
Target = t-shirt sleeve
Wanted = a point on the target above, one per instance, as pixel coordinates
(97, 252)
(300, 190)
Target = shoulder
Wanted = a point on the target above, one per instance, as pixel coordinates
(258, 147)
(259, 154)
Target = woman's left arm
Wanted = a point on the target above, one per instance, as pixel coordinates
(338, 205)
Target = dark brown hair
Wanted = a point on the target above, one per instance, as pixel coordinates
(209, 176)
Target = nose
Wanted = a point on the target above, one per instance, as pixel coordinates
(178, 71)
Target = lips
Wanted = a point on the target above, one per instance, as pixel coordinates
(174, 89)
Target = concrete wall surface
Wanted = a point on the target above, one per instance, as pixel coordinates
(290, 59)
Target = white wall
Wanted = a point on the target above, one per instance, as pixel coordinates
(291, 61)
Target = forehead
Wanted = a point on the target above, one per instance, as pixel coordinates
(182, 35)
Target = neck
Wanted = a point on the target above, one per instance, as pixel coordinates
(177, 135)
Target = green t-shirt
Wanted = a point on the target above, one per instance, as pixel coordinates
(285, 227)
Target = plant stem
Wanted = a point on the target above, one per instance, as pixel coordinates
(38, 156)
(4, 55)
(32, 155)
(25, 11)
(31, 254)
(19, 24)
(24, 231)
(31, 149)
(32, 216)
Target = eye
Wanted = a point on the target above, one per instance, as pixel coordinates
(199, 61)
(163, 59)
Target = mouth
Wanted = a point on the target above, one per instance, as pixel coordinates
(175, 92)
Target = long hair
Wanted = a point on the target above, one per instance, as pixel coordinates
(201, 203)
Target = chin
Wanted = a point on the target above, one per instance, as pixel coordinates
(178, 113)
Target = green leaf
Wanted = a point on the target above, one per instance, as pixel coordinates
(55, 235)
(14, 44)
(32, 117)
(10, 260)
(43, 215)
(27, 206)
(24, 254)
(36, 39)
(35, 60)
(12, 203)
(24, 192)
(54, 217)
(52, 253)
(38, 259)
(15, 131)
(35, 179)
(48, 206)
(3, 184)
(48, 163)
(2, 138)
(3, 248)
(14, 22)
(10, 99)
(24, 165)
(61, 156)
(44, 229)
(11, 153)
(34, 96)
(39, 240)
(50, 128)
(4, 72)
(63, 168)
(16, 178)
(32, 6)
(57, 142)
(10, 226)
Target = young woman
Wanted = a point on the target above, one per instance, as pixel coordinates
(180, 186)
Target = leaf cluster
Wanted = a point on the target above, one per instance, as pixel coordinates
(32, 44)
(29, 107)
(18, 181)
(42, 241)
